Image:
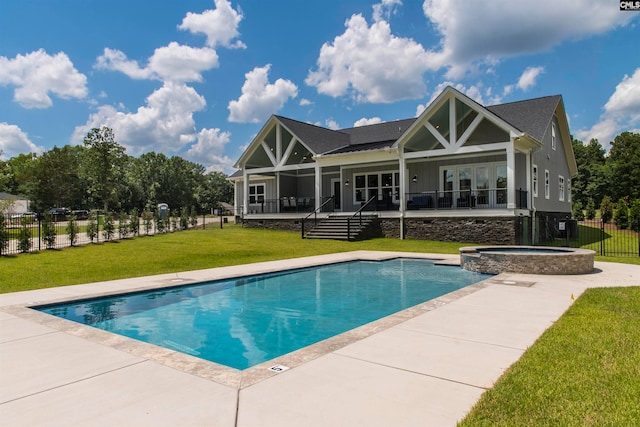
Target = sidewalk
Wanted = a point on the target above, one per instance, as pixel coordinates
(425, 367)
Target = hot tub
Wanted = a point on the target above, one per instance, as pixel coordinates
(526, 259)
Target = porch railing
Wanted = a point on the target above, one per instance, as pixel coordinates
(283, 205)
(492, 198)
(358, 215)
(326, 206)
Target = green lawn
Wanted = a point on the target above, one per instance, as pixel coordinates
(182, 251)
(583, 371)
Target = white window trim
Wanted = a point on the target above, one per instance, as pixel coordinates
(395, 177)
(553, 136)
(546, 184)
(456, 183)
(569, 190)
(535, 181)
(561, 184)
(255, 194)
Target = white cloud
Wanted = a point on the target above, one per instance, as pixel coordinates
(164, 124)
(370, 64)
(14, 141)
(526, 81)
(364, 121)
(384, 9)
(304, 102)
(475, 32)
(621, 112)
(175, 62)
(209, 149)
(528, 78)
(220, 25)
(332, 124)
(37, 74)
(260, 98)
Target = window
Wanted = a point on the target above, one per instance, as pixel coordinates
(569, 190)
(256, 193)
(482, 184)
(386, 186)
(561, 188)
(546, 184)
(535, 180)
(553, 136)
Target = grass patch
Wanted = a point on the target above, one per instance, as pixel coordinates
(582, 371)
(183, 251)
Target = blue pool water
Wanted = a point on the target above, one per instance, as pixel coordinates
(246, 321)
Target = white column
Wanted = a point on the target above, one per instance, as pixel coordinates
(245, 192)
(402, 164)
(529, 178)
(511, 176)
(318, 184)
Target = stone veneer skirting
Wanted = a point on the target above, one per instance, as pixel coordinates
(491, 231)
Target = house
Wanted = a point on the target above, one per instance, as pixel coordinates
(458, 172)
(11, 204)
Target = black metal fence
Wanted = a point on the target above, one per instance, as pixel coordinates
(606, 239)
(27, 232)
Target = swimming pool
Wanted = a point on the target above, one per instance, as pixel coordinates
(245, 321)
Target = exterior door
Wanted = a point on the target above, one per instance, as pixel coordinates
(336, 192)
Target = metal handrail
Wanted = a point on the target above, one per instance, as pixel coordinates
(359, 214)
(315, 214)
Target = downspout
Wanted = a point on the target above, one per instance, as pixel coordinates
(533, 203)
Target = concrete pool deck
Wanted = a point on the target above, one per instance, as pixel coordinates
(426, 366)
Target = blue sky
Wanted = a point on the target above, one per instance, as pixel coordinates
(198, 78)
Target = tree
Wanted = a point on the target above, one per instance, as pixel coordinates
(57, 179)
(72, 230)
(621, 214)
(624, 163)
(102, 165)
(634, 215)
(591, 209)
(591, 181)
(214, 189)
(606, 209)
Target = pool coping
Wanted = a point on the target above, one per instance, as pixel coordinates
(212, 371)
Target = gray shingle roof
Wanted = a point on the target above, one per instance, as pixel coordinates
(531, 116)
(318, 139)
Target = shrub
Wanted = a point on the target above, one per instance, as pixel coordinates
(634, 215)
(92, 227)
(160, 223)
(108, 228)
(184, 219)
(72, 230)
(147, 219)
(24, 236)
(578, 213)
(621, 215)
(48, 231)
(134, 222)
(174, 221)
(606, 209)
(591, 209)
(194, 216)
(4, 234)
(123, 226)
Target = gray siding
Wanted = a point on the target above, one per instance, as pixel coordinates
(555, 161)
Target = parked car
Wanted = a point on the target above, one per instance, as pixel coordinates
(59, 214)
(80, 214)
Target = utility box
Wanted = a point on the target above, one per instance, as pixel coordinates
(163, 210)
